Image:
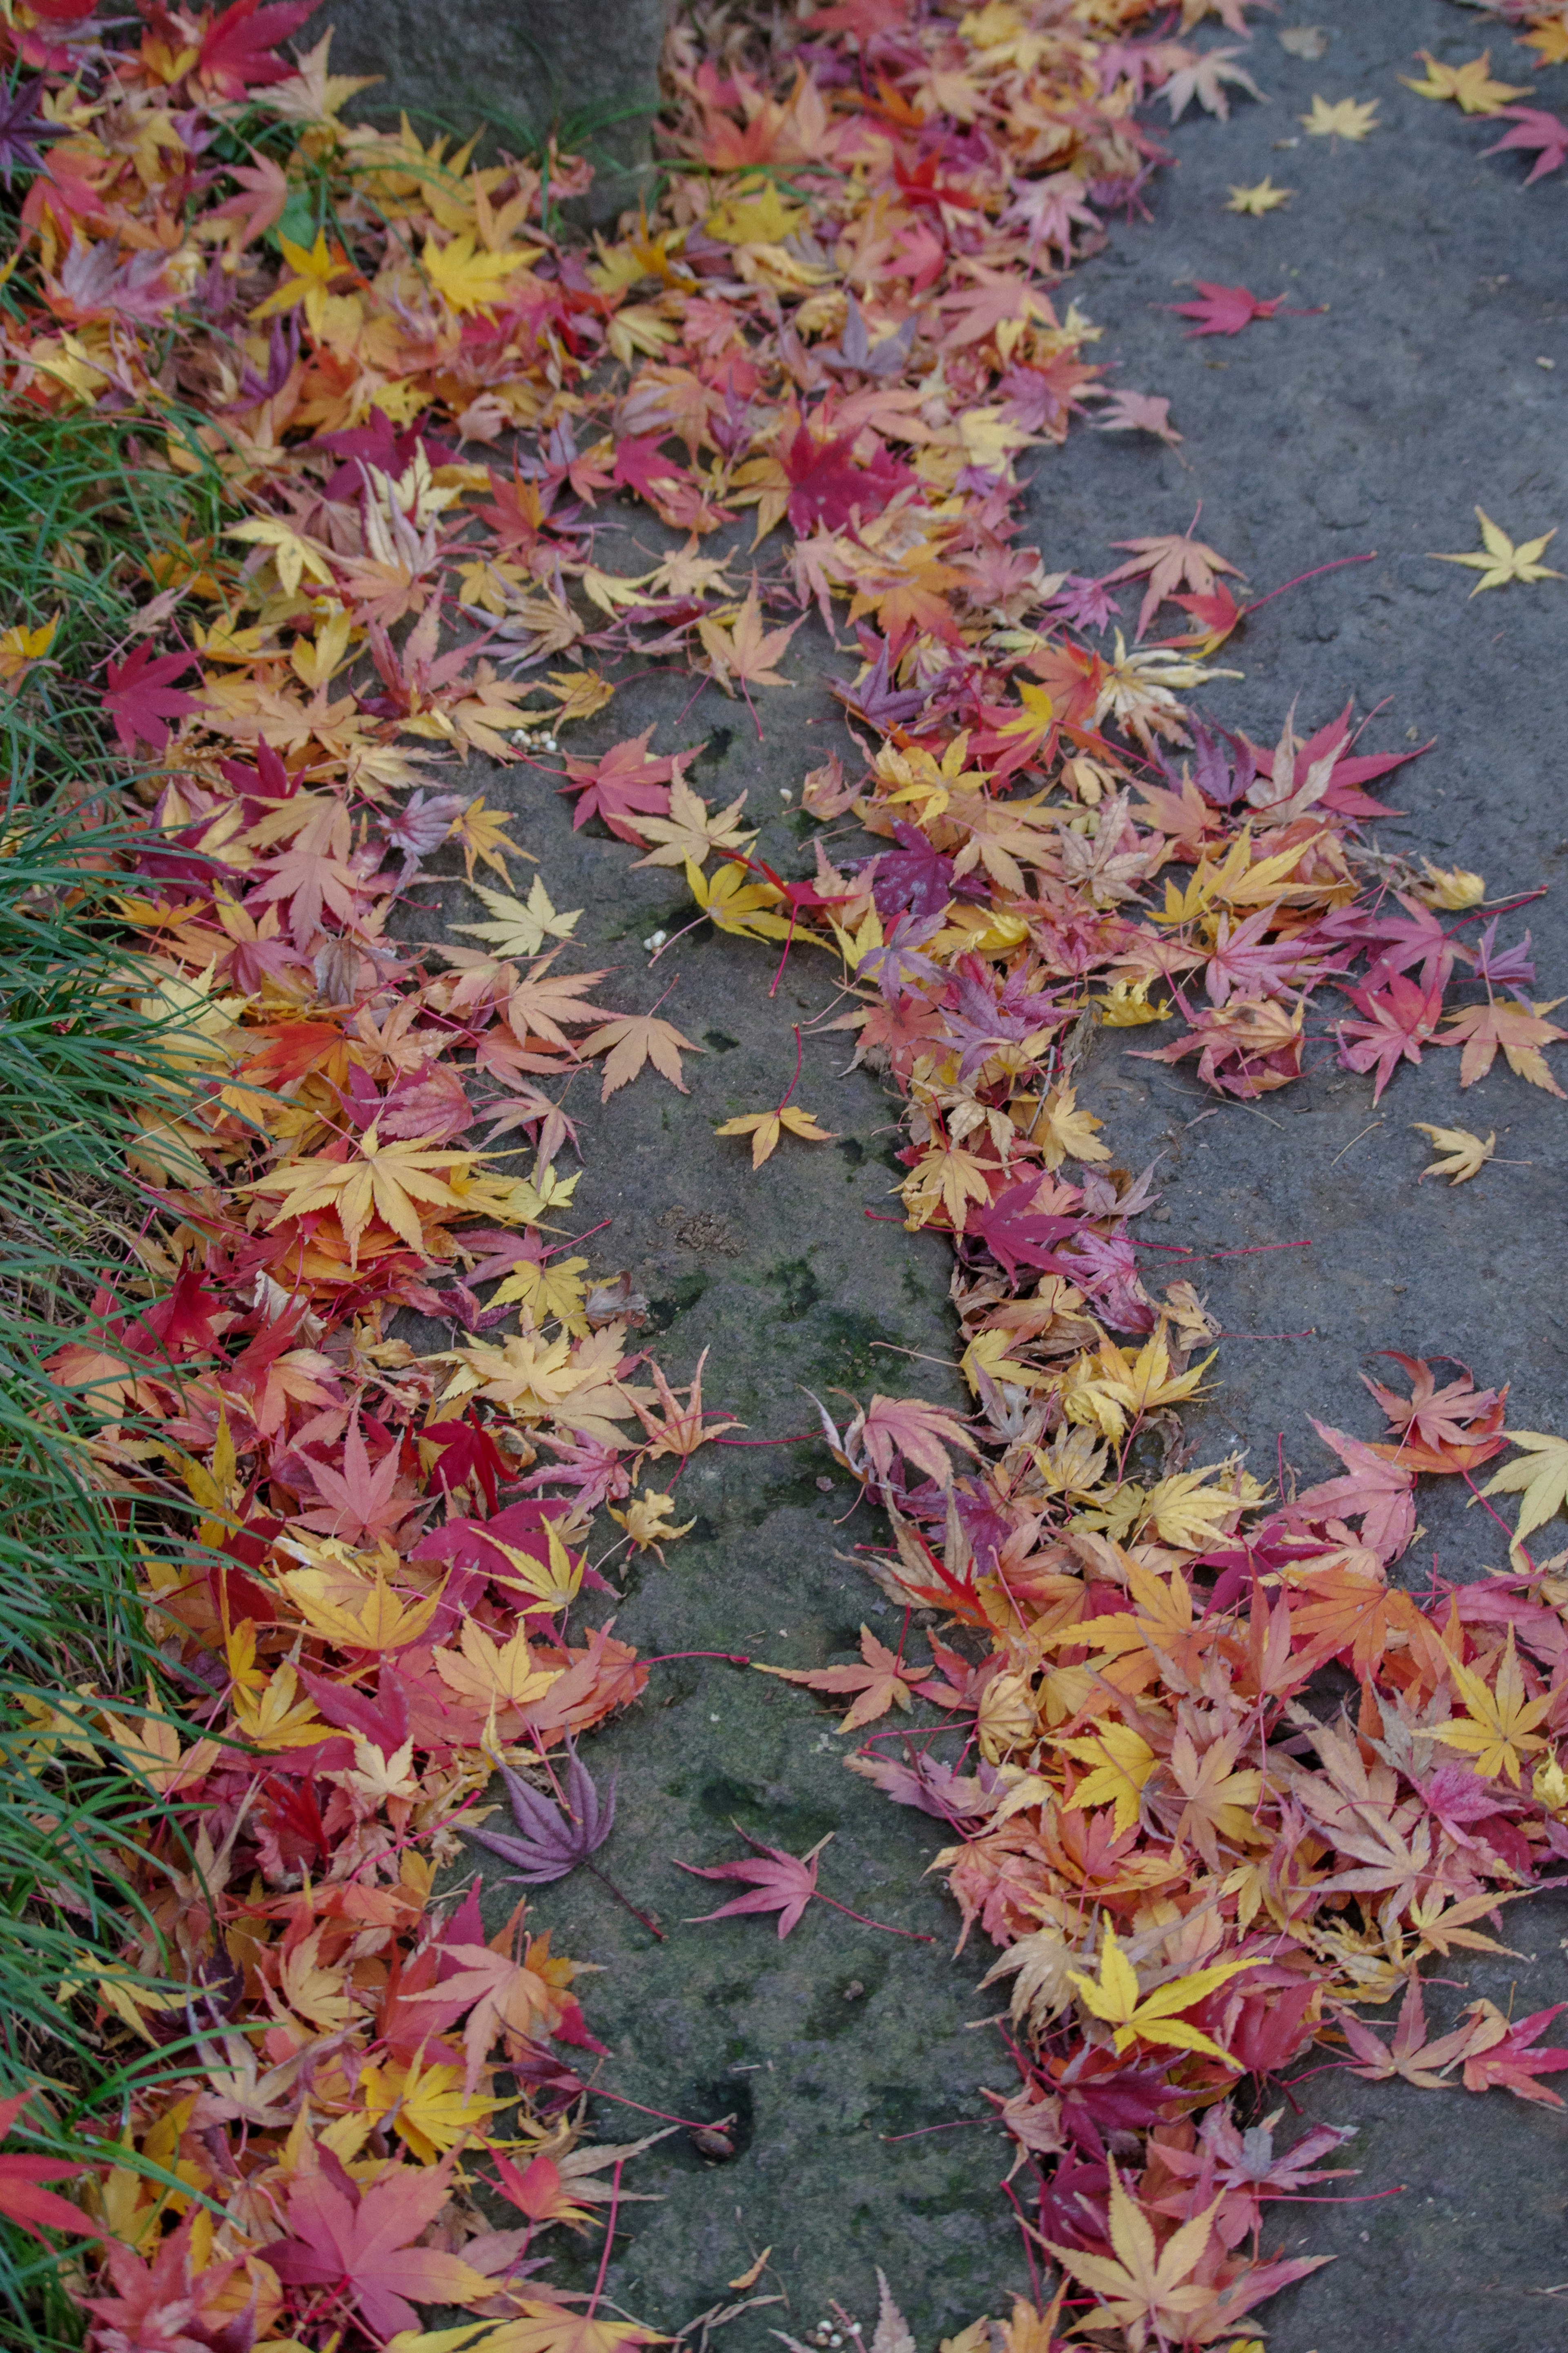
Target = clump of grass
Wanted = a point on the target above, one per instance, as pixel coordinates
(80, 515)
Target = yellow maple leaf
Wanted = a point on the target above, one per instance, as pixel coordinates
(555, 1586)
(1498, 561)
(1499, 1725)
(755, 212)
(734, 902)
(387, 1179)
(468, 279)
(493, 1672)
(428, 2107)
(1116, 1996)
(743, 650)
(1263, 198)
(353, 1615)
(1349, 119)
(1120, 1762)
(1453, 887)
(519, 927)
(1467, 1156)
(482, 832)
(765, 1128)
(1469, 85)
(293, 554)
(1540, 1477)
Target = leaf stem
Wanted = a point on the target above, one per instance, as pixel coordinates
(913, 1934)
(605, 1881)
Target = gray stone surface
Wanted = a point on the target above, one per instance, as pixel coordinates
(589, 67)
(1378, 425)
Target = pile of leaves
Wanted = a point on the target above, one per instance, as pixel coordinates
(841, 323)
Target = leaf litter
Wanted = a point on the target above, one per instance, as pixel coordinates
(836, 318)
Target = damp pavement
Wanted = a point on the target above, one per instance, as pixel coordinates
(1414, 391)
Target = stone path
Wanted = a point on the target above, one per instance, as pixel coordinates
(1377, 426)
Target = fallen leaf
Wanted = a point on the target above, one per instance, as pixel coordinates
(1348, 118)
(1468, 1154)
(633, 1039)
(1265, 197)
(1498, 561)
(765, 1128)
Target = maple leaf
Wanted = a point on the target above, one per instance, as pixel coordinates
(1470, 85)
(910, 1427)
(1498, 561)
(1400, 1021)
(1533, 127)
(468, 279)
(631, 1040)
(1142, 2286)
(553, 1838)
(1510, 2061)
(539, 2327)
(389, 1180)
(1410, 2054)
(1348, 118)
(1221, 311)
(142, 699)
(22, 129)
(691, 832)
(742, 650)
(733, 903)
(1467, 1156)
(622, 787)
(1116, 1996)
(781, 1882)
(1522, 1032)
(1448, 1428)
(1381, 1492)
(1120, 1762)
(1136, 413)
(520, 928)
(360, 2243)
(1499, 1730)
(359, 1503)
(1205, 80)
(1539, 1478)
(1265, 197)
(23, 2199)
(294, 557)
(481, 834)
(237, 49)
(1168, 562)
(542, 1001)
(765, 1128)
(882, 1681)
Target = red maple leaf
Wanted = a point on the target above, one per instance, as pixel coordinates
(1399, 1022)
(780, 1882)
(1511, 2064)
(468, 1456)
(141, 699)
(1224, 309)
(23, 2172)
(626, 783)
(183, 1321)
(829, 486)
(1533, 127)
(1381, 1492)
(237, 53)
(1450, 1429)
(358, 2243)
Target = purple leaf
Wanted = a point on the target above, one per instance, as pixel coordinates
(553, 1842)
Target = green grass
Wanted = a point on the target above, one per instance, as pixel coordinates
(79, 512)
